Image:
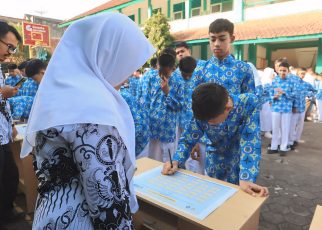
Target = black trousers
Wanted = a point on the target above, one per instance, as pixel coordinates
(9, 179)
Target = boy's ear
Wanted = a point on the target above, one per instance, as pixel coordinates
(232, 38)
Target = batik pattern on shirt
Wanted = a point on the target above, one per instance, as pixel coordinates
(134, 84)
(5, 117)
(236, 76)
(12, 81)
(186, 114)
(162, 109)
(235, 150)
(21, 106)
(303, 89)
(140, 120)
(81, 170)
(285, 101)
(318, 85)
(29, 88)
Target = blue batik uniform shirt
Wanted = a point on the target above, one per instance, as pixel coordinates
(134, 84)
(140, 120)
(318, 85)
(235, 150)
(235, 75)
(12, 81)
(186, 113)
(303, 89)
(163, 109)
(284, 103)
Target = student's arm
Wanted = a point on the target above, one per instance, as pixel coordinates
(188, 139)
(248, 84)
(174, 98)
(250, 142)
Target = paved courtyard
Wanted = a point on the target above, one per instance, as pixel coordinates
(294, 182)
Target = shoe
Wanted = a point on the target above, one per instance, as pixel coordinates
(291, 147)
(283, 153)
(295, 143)
(271, 151)
(268, 135)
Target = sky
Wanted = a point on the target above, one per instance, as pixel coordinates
(58, 9)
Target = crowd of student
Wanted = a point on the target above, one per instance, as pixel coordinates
(205, 115)
(26, 77)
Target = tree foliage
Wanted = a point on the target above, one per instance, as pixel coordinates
(157, 30)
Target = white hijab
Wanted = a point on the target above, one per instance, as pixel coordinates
(268, 76)
(94, 55)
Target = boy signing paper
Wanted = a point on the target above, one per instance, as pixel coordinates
(232, 126)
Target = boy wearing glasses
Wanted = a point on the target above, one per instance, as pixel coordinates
(9, 177)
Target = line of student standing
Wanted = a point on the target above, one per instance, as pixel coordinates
(231, 150)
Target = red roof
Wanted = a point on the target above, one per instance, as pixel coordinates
(284, 26)
(100, 8)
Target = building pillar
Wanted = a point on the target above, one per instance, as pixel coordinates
(204, 51)
(205, 6)
(252, 53)
(139, 16)
(188, 9)
(169, 9)
(239, 52)
(318, 68)
(269, 55)
(239, 9)
(149, 9)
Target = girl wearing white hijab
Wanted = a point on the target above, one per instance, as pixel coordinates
(266, 113)
(82, 129)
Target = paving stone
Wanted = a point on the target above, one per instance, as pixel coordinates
(272, 217)
(289, 226)
(300, 210)
(278, 208)
(307, 195)
(297, 219)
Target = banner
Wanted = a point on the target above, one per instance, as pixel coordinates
(35, 34)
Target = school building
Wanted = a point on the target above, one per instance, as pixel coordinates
(264, 29)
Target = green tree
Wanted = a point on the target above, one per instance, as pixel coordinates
(157, 30)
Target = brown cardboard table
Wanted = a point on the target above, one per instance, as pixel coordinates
(27, 177)
(241, 211)
(317, 219)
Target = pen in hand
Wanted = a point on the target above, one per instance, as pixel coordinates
(170, 158)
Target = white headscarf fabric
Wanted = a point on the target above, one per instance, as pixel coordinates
(94, 55)
(268, 76)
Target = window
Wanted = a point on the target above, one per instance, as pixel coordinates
(195, 12)
(177, 15)
(195, 7)
(157, 10)
(132, 17)
(179, 11)
(221, 5)
(215, 8)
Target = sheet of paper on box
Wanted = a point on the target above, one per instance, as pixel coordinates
(187, 193)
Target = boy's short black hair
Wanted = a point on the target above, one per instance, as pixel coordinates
(187, 64)
(208, 101)
(22, 65)
(169, 50)
(182, 44)
(281, 59)
(34, 66)
(154, 62)
(6, 28)
(12, 66)
(284, 64)
(221, 25)
(166, 60)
